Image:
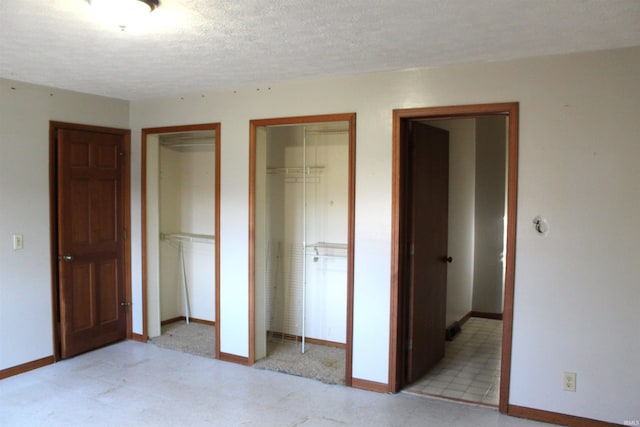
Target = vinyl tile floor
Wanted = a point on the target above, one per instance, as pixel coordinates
(470, 369)
(136, 384)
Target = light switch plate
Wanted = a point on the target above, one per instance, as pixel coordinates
(17, 241)
(569, 381)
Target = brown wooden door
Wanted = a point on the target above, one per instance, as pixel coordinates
(427, 220)
(90, 221)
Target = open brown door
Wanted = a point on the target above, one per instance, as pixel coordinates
(427, 210)
(90, 239)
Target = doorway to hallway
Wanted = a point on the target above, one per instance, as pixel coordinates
(410, 288)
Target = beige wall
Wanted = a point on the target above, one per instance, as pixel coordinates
(575, 288)
(25, 275)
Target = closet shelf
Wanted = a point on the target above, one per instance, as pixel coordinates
(297, 171)
(188, 237)
(328, 250)
(328, 245)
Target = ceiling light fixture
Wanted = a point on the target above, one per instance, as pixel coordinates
(124, 12)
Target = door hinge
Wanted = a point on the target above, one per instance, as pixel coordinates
(124, 233)
(412, 249)
(410, 344)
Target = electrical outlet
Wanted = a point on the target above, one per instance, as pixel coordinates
(569, 381)
(17, 241)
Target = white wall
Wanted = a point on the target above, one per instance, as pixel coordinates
(576, 294)
(153, 241)
(169, 212)
(25, 275)
(489, 255)
(318, 205)
(187, 205)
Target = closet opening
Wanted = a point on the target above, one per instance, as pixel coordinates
(301, 245)
(180, 214)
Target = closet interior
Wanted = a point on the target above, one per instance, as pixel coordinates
(301, 248)
(186, 242)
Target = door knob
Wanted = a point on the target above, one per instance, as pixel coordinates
(447, 259)
(65, 257)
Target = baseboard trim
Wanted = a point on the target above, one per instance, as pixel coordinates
(483, 315)
(555, 417)
(298, 338)
(26, 367)
(325, 342)
(370, 385)
(464, 318)
(191, 319)
(226, 357)
(138, 337)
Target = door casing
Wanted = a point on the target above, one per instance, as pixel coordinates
(53, 219)
(397, 338)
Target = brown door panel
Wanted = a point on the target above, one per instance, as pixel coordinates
(428, 232)
(90, 240)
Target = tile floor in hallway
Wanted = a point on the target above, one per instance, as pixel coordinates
(470, 369)
(135, 384)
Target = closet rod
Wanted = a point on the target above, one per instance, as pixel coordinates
(188, 144)
(295, 170)
(328, 245)
(328, 131)
(187, 236)
(316, 257)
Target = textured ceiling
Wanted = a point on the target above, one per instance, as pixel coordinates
(203, 45)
